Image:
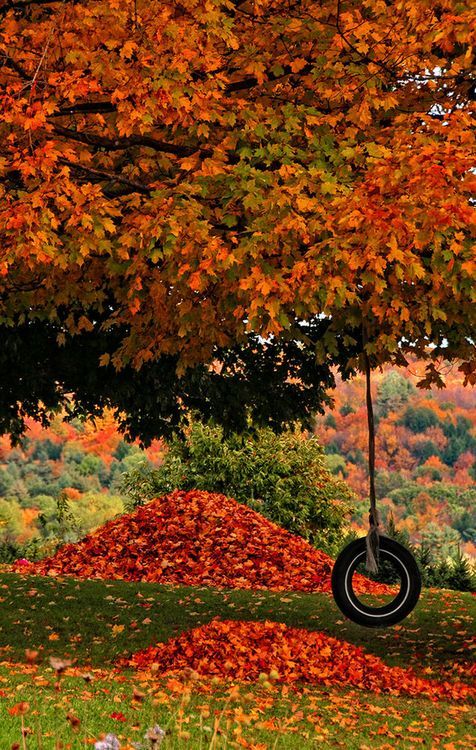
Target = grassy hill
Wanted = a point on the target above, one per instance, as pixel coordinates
(95, 623)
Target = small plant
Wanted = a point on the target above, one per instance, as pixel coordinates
(462, 576)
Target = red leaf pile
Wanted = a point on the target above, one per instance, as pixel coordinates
(244, 650)
(203, 539)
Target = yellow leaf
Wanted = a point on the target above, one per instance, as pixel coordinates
(128, 50)
(190, 162)
(298, 64)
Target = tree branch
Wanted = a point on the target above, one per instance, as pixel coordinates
(248, 83)
(138, 187)
(118, 144)
(23, 4)
(86, 108)
(364, 58)
(9, 62)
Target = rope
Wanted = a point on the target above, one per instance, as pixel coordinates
(373, 536)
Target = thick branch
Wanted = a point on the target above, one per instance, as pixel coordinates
(86, 108)
(118, 144)
(249, 83)
(9, 62)
(110, 176)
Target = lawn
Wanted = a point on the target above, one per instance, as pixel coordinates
(96, 623)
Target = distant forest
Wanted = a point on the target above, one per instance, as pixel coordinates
(426, 454)
(66, 480)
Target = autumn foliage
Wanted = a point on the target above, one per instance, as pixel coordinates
(425, 454)
(199, 538)
(185, 173)
(244, 650)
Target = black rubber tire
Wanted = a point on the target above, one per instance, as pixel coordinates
(376, 617)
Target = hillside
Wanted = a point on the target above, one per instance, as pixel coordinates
(79, 464)
(63, 677)
(426, 465)
(426, 453)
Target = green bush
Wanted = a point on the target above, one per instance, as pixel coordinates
(284, 477)
(35, 549)
(62, 520)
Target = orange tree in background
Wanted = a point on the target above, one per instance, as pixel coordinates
(183, 181)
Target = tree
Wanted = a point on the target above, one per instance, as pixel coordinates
(393, 391)
(180, 181)
(274, 382)
(423, 449)
(419, 419)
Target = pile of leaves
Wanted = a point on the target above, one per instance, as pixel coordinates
(198, 538)
(271, 650)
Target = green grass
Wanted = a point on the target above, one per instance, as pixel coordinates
(314, 718)
(95, 623)
(80, 619)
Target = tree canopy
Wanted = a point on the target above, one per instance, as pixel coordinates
(179, 180)
(269, 384)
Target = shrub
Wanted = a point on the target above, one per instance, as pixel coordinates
(33, 550)
(462, 576)
(284, 477)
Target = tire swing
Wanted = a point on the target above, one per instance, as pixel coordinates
(375, 548)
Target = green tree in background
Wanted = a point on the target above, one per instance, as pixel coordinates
(419, 419)
(393, 391)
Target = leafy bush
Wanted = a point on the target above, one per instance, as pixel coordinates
(33, 550)
(9, 552)
(284, 477)
(64, 521)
